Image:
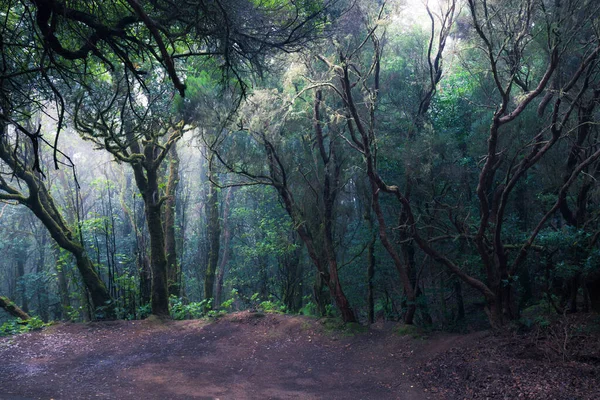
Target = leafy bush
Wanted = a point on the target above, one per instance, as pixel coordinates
(271, 306)
(226, 305)
(193, 310)
(144, 311)
(17, 326)
(309, 309)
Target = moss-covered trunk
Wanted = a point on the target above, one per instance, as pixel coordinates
(146, 179)
(13, 309)
(158, 261)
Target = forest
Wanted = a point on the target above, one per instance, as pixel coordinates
(430, 162)
(365, 160)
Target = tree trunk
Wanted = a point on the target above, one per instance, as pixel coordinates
(322, 298)
(158, 261)
(42, 292)
(401, 268)
(335, 288)
(214, 235)
(13, 309)
(173, 271)
(145, 277)
(147, 184)
(63, 286)
(341, 301)
(226, 251)
(103, 306)
(593, 287)
(21, 283)
(292, 292)
(503, 308)
(370, 275)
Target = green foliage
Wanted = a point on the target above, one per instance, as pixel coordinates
(309, 309)
(17, 326)
(539, 315)
(228, 304)
(144, 311)
(74, 313)
(574, 252)
(193, 310)
(272, 306)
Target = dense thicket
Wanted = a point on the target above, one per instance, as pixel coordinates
(363, 159)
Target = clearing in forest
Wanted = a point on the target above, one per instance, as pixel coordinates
(268, 356)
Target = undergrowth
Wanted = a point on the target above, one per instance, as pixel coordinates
(17, 326)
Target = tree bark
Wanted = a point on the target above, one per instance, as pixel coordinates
(214, 234)
(21, 284)
(370, 277)
(42, 292)
(13, 309)
(225, 249)
(158, 261)
(173, 270)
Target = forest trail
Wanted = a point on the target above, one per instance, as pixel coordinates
(241, 356)
(269, 356)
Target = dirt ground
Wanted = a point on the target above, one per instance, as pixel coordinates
(258, 356)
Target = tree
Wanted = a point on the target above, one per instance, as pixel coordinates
(38, 199)
(362, 125)
(317, 183)
(142, 136)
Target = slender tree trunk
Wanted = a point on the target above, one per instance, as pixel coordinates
(142, 262)
(145, 277)
(292, 268)
(42, 292)
(170, 242)
(63, 286)
(21, 283)
(370, 276)
(214, 234)
(400, 267)
(226, 251)
(263, 285)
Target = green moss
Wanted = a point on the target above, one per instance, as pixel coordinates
(337, 326)
(410, 330)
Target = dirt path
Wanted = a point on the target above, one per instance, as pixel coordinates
(257, 356)
(239, 357)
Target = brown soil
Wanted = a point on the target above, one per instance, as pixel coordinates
(248, 356)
